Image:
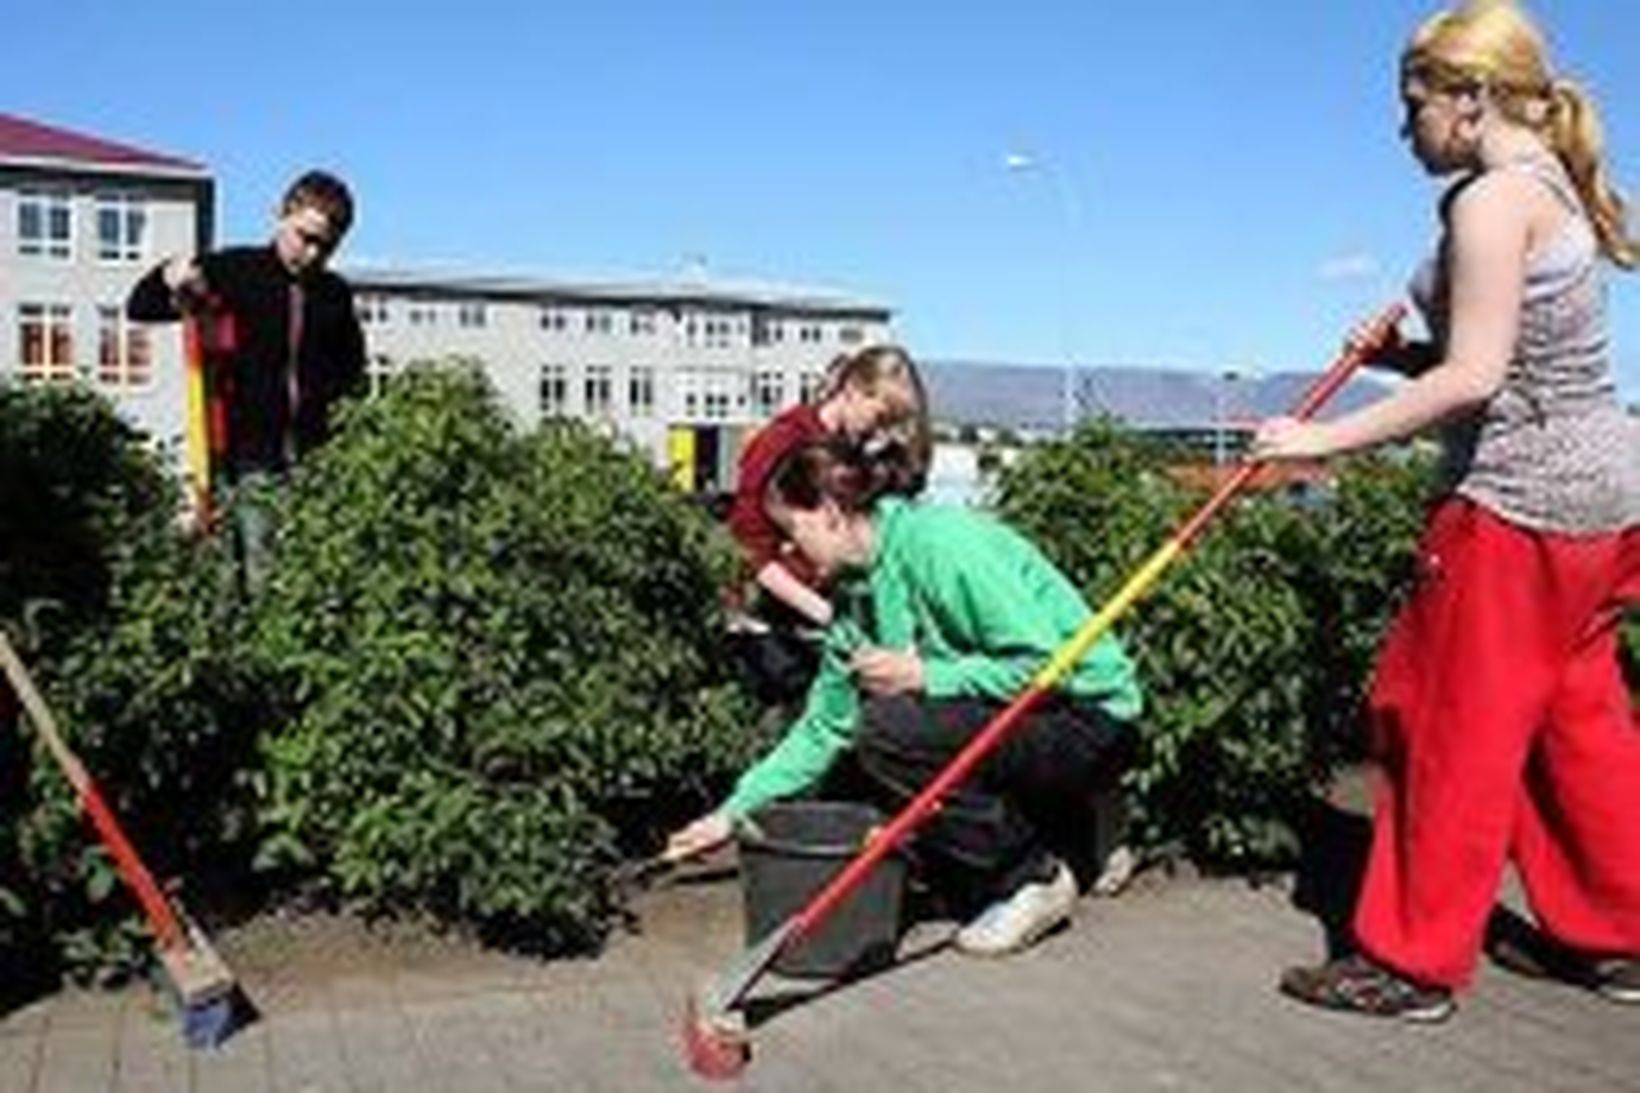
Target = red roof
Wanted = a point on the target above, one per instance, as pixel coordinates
(30, 140)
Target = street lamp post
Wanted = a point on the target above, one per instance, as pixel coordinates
(1019, 162)
(1221, 397)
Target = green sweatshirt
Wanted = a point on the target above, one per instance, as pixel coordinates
(979, 604)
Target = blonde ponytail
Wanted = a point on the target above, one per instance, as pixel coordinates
(1579, 140)
(1495, 45)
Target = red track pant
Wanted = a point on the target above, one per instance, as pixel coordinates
(1505, 731)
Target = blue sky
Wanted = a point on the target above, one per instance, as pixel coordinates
(1214, 182)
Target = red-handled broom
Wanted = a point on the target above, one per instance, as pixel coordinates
(203, 984)
(714, 1033)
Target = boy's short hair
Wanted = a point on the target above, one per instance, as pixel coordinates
(325, 192)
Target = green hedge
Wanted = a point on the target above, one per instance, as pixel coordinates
(501, 652)
(1252, 649)
(127, 631)
(484, 668)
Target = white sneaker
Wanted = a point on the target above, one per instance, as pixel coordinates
(1012, 924)
(1120, 865)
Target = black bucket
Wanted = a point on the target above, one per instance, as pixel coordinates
(787, 853)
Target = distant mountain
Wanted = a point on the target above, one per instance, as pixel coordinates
(1033, 397)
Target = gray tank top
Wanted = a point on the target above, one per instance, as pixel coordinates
(1553, 449)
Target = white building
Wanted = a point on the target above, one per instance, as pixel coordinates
(683, 368)
(81, 219)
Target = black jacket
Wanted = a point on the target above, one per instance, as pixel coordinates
(269, 418)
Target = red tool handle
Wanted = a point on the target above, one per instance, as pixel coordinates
(162, 919)
(881, 844)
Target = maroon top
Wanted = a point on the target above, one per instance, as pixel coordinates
(749, 523)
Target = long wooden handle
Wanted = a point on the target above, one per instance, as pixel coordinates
(1072, 651)
(162, 918)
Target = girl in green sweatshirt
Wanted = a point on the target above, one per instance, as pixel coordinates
(943, 616)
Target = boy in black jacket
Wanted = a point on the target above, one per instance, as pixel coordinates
(296, 342)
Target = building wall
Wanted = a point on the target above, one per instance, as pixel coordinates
(719, 364)
(174, 212)
(719, 367)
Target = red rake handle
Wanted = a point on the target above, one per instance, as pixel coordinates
(161, 918)
(927, 801)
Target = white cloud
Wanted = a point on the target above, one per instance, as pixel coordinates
(1348, 267)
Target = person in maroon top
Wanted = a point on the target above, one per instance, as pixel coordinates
(873, 397)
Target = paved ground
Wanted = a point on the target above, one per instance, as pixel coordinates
(1169, 987)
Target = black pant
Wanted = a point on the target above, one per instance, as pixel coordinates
(990, 833)
(777, 666)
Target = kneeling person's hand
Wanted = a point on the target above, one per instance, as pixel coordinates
(699, 836)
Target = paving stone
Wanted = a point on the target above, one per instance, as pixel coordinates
(19, 1059)
(1170, 987)
(305, 1052)
(78, 1057)
(150, 1056)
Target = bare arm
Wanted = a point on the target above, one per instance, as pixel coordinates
(1489, 241)
(778, 581)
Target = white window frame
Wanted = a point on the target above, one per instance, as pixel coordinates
(126, 207)
(372, 309)
(768, 391)
(54, 318)
(809, 384)
(598, 390)
(131, 365)
(380, 369)
(552, 399)
(46, 245)
(640, 390)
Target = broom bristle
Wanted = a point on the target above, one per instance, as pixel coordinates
(716, 1045)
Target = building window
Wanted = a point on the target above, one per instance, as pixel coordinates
(372, 309)
(599, 322)
(554, 319)
(641, 323)
(45, 226)
(599, 389)
(851, 335)
(423, 314)
(712, 394)
(124, 353)
(45, 342)
(472, 314)
(122, 228)
(554, 390)
(808, 385)
(765, 330)
(768, 392)
(379, 372)
(809, 332)
(719, 332)
(640, 391)
(709, 330)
